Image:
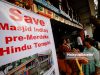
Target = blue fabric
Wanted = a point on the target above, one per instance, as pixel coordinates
(93, 61)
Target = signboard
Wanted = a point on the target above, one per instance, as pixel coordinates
(41, 10)
(61, 19)
(49, 6)
(34, 8)
(45, 12)
(49, 13)
(26, 43)
(56, 17)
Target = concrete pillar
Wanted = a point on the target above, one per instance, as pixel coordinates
(89, 30)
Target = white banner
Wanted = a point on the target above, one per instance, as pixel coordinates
(23, 34)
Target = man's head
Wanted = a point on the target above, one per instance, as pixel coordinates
(87, 36)
(88, 42)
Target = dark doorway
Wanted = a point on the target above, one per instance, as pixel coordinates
(60, 29)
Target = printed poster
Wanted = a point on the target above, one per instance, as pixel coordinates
(26, 43)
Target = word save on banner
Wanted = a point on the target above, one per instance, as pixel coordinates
(25, 38)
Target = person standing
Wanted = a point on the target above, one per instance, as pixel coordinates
(67, 66)
(80, 43)
(64, 67)
(94, 63)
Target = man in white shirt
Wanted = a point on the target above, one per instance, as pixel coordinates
(80, 43)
